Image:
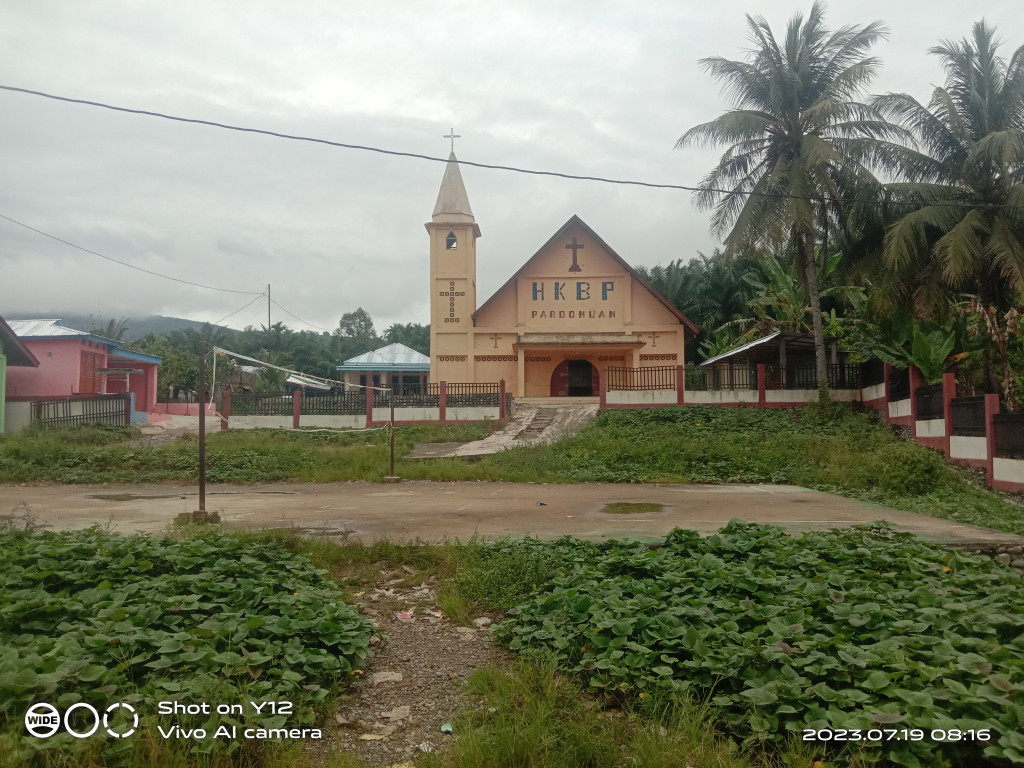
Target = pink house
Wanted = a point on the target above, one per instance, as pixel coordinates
(73, 362)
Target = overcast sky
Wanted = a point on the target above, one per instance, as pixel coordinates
(596, 88)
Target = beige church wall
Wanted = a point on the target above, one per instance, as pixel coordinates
(450, 370)
(501, 312)
(573, 304)
(450, 344)
(540, 370)
(488, 371)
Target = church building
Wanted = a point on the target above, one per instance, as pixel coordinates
(574, 309)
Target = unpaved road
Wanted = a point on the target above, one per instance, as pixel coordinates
(433, 511)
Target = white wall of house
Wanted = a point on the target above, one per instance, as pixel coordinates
(1008, 470)
(931, 428)
(641, 397)
(17, 416)
(899, 408)
(717, 397)
(475, 413)
(874, 392)
(407, 414)
(259, 422)
(961, 447)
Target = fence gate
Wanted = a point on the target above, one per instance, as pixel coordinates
(113, 410)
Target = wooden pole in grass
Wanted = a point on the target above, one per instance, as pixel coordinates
(392, 478)
(200, 514)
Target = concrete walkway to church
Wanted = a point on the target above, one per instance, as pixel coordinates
(434, 511)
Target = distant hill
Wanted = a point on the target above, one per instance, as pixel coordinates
(137, 327)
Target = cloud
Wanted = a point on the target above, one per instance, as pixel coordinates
(596, 88)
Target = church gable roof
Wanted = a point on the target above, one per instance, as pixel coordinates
(576, 221)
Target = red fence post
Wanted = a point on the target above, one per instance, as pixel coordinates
(948, 393)
(442, 401)
(225, 410)
(602, 383)
(296, 408)
(761, 383)
(991, 409)
(680, 384)
(369, 404)
(915, 382)
(501, 400)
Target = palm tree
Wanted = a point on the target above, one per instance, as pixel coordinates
(966, 233)
(797, 140)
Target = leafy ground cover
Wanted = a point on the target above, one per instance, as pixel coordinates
(854, 630)
(91, 616)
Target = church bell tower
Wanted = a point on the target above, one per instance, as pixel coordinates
(453, 232)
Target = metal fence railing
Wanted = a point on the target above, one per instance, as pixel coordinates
(1009, 434)
(112, 410)
(404, 398)
(641, 379)
(872, 372)
(348, 404)
(696, 379)
(968, 416)
(899, 384)
(733, 377)
(929, 402)
(261, 404)
(805, 376)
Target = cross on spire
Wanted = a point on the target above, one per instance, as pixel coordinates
(453, 136)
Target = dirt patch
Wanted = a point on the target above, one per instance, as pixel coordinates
(130, 496)
(632, 508)
(413, 685)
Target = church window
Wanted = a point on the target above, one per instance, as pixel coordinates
(451, 242)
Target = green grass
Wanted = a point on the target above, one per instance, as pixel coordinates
(632, 508)
(533, 715)
(832, 448)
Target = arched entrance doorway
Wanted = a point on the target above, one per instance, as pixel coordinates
(575, 378)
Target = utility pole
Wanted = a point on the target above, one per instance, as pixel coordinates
(268, 321)
(201, 515)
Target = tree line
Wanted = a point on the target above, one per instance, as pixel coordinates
(895, 225)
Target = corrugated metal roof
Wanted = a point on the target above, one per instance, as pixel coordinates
(302, 381)
(744, 348)
(50, 328)
(396, 356)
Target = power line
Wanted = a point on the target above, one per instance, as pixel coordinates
(305, 322)
(239, 310)
(488, 166)
(124, 263)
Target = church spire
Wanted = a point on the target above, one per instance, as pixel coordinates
(452, 201)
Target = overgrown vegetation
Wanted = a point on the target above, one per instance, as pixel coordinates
(830, 447)
(855, 630)
(94, 617)
(106, 455)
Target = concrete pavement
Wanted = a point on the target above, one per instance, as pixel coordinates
(434, 511)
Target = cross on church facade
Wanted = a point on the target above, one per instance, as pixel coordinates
(574, 247)
(453, 136)
(496, 337)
